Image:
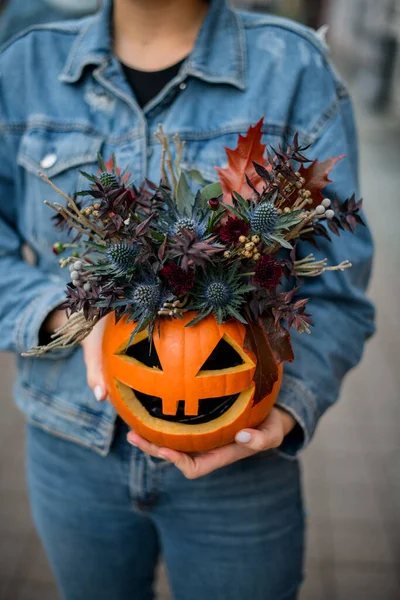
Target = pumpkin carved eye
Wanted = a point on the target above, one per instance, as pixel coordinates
(144, 353)
(223, 356)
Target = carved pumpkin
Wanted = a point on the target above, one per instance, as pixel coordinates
(193, 391)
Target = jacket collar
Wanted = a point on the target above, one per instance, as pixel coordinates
(219, 55)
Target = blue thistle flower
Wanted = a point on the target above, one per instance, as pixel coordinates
(187, 224)
(220, 293)
(264, 218)
(147, 297)
(122, 257)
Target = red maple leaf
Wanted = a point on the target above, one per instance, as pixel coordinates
(240, 163)
(316, 176)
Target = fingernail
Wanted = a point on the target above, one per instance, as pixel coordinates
(98, 392)
(243, 437)
(162, 455)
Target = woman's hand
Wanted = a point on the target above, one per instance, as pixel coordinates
(269, 434)
(91, 346)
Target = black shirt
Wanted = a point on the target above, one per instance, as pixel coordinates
(147, 84)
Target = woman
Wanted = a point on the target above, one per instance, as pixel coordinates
(228, 528)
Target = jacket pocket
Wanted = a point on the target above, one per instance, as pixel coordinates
(59, 154)
(205, 153)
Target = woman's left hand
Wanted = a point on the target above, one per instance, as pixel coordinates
(269, 434)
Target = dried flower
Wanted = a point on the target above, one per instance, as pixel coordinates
(178, 280)
(233, 230)
(268, 273)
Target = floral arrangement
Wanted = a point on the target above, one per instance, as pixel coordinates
(158, 251)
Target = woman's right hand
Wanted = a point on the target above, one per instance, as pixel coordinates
(91, 346)
(92, 354)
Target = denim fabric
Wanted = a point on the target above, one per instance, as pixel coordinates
(236, 534)
(63, 99)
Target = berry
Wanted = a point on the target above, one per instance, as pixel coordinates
(326, 203)
(74, 275)
(320, 210)
(264, 217)
(58, 247)
(87, 287)
(77, 265)
(330, 214)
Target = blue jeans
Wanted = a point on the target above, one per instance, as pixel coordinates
(236, 534)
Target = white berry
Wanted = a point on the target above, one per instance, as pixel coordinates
(87, 287)
(326, 203)
(74, 275)
(320, 210)
(78, 265)
(330, 214)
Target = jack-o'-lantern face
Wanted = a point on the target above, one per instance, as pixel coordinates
(191, 389)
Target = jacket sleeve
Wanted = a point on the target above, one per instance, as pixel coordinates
(27, 294)
(342, 314)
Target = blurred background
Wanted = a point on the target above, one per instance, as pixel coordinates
(352, 468)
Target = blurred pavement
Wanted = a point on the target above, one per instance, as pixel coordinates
(351, 469)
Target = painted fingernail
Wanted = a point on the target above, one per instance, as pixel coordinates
(243, 437)
(98, 392)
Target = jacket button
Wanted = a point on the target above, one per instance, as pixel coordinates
(48, 161)
(182, 86)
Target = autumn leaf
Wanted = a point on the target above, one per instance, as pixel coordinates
(240, 163)
(279, 340)
(266, 369)
(317, 178)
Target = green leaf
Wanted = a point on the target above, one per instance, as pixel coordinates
(289, 220)
(233, 210)
(236, 315)
(281, 240)
(102, 164)
(196, 177)
(212, 190)
(87, 175)
(199, 318)
(242, 203)
(184, 196)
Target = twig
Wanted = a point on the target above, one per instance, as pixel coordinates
(73, 206)
(71, 334)
(309, 267)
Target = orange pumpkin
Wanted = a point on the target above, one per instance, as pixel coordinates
(193, 391)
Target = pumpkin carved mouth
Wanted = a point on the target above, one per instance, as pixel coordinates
(209, 408)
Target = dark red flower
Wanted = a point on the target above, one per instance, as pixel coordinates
(213, 203)
(178, 280)
(233, 229)
(268, 273)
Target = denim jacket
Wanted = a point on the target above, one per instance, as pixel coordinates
(63, 99)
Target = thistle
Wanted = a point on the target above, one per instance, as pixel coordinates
(221, 292)
(122, 256)
(264, 218)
